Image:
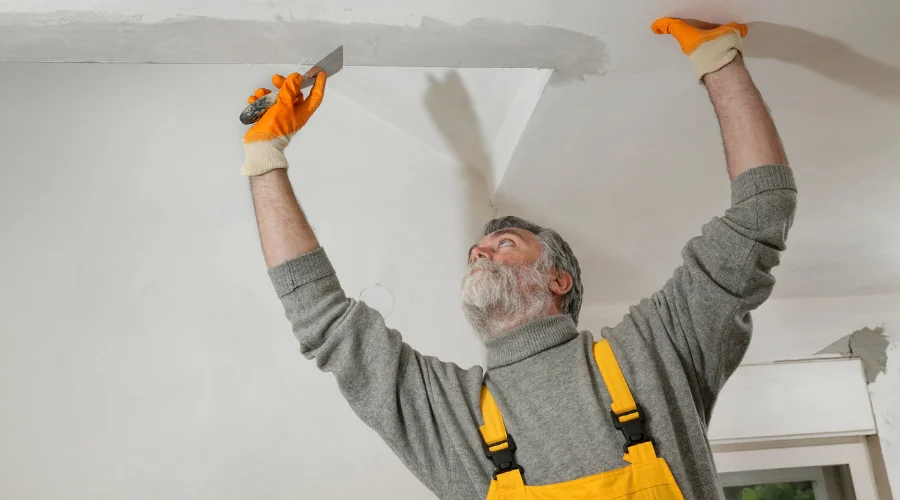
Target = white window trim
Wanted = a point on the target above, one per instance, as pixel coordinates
(854, 452)
(796, 400)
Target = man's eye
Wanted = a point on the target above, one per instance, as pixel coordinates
(505, 243)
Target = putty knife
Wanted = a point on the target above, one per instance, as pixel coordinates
(331, 64)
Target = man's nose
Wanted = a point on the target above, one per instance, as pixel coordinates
(479, 253)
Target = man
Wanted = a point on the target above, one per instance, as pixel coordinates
(522, 294)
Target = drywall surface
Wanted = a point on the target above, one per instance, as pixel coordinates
(397, 12)
(786, 329)
(143, 352)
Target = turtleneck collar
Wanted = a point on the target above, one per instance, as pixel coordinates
(529, 339)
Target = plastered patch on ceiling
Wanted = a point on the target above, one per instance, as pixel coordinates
(480, 43)
(870, 345)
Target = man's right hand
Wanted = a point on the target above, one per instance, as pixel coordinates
(264, 143)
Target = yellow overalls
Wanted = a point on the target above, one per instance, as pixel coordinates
(648, 476)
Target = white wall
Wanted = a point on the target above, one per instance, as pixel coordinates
(143, 352)
(797, 328)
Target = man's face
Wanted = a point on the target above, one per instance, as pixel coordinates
(507, 282)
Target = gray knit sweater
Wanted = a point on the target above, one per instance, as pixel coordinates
(676, 349)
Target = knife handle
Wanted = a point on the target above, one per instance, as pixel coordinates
(256, 109)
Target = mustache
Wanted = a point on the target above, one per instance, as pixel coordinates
(488, 265)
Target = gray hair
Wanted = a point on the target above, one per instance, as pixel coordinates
(557, 250)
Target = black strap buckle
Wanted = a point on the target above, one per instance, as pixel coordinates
(503, 459)
(633, 430)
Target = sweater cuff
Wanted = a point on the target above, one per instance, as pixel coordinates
(761, 179)
(299, 271)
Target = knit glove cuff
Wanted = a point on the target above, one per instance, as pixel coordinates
(715, 54)
(265, 156)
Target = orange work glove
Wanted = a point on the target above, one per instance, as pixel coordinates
(708, 49)
(264, 143)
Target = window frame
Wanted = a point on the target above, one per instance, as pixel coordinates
(806, 453)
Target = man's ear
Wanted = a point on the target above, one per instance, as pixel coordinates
(560, 282)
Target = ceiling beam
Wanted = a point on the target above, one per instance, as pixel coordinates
(480, 43)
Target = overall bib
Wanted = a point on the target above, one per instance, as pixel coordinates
(648, 477)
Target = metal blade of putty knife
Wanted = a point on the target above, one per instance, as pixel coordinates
(330, 64)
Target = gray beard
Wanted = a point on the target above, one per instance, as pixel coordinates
(501, 297)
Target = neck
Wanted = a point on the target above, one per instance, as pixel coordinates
(496, 326)
(529, 339)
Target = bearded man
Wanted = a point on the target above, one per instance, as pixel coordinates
(548, 384)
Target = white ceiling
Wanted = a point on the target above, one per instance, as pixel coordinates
(472, 115)
(630, 177)
(626, 162)
(636, 161)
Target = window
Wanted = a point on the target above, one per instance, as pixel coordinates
(772, 491)
(805, 483)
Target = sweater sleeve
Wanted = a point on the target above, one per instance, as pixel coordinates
(705, 306)
(390, 386)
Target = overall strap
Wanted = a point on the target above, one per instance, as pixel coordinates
(498, 445)
(627, 416)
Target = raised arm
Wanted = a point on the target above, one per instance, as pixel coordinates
(748, 131)
(391, 387)
(704, 309)
(283, 229)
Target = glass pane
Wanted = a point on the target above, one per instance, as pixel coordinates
(771, 491)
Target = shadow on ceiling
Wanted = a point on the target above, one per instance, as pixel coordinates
(826, 56)
(453, 112)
